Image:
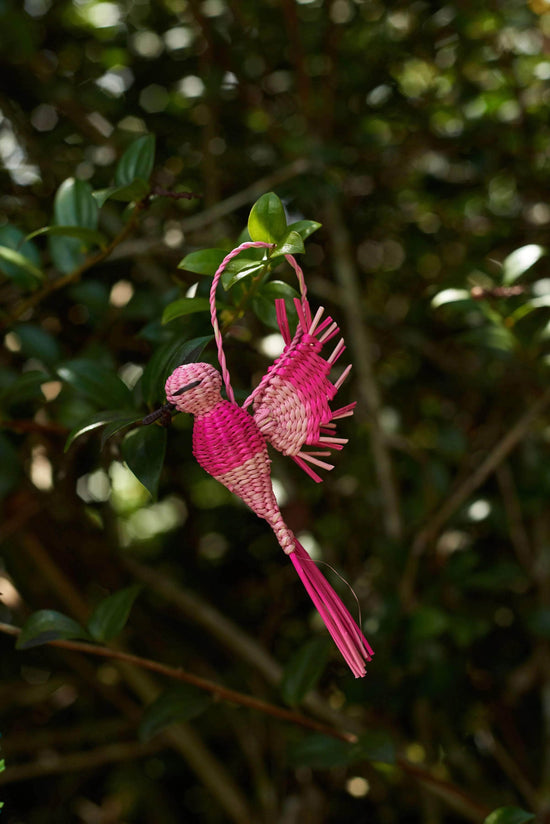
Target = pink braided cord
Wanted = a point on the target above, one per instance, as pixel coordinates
(249, 244)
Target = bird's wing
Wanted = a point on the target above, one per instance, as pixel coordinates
(291, 403)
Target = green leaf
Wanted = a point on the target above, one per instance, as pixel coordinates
(291, 244)
(143, 450)
(304, 670)
(499, 338)
(241, 268)
(176, 705)
(305, 228)
(19, 263)
(185, 306)
(137, 161)
(117, 419)
(461, 296)
(520, 261)
(163, 363)
(27, 277)
(136, 190)
(205, 262)
(48, 625)
(37, 343)
(74, 205)
(375, 745)
(267, 220)
(110, 615)
(25, 388)
(87, 236)
(509, 815)
(263, 303)
(321, 752)
(97, 383)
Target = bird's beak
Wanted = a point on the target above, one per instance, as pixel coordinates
(164, 412)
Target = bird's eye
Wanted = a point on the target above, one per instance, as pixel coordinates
(187, 386)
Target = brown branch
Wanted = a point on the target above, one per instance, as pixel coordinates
(34, 426)
(496, 456)
(209, 769)
(455, 798)
(76, 761)
(177, 674)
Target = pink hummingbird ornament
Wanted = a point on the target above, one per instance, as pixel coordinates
(290, 410)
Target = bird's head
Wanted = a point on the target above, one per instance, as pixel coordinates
(194, 388)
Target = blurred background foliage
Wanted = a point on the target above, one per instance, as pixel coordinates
(418, 135)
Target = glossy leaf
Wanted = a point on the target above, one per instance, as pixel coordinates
(48, 625)
(267, 220)
(87, 236)
(143, 449)
(137, 161)
(115, 419)
(136, 190)
(517, 263)
(74, 205)
(185, 306)
(110, 615)
(18, 263)
(304, 670)
(461, 296)
(204, 262)
(176, 705)
(509, 815)
(97, 383)
(321, 752)
(27, 272)
(305, 228)
(291, 244)
(263, 304)
(163, 363)
(241, 268)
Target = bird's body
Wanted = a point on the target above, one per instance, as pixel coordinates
(290, 411)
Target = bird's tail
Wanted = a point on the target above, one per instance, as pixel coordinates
(346, 634)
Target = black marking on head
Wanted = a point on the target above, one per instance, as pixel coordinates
(187, 387)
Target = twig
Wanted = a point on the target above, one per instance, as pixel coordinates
(346, 274)
(455, 798)
(158, 192)
(231, 204)
(55, 764)
(209, 769)
(495, 457)
(34, 426)
(178, 674)
(518, 533)
(480, 293)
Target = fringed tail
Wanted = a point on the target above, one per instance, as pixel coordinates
(346, 634)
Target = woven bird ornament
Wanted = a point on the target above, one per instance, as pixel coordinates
(290, 410)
